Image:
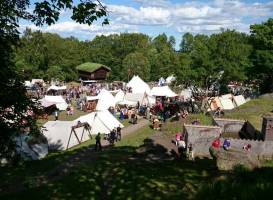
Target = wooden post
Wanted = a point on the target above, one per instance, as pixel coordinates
(69, 138)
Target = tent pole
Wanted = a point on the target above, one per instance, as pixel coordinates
(82, 132)
(76, 136)
(69, 138)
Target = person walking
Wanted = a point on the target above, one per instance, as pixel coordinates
(98, 142)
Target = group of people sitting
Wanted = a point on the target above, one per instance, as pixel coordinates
(227, 144)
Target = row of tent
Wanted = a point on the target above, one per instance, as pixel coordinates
(226, 102)
(61, 135)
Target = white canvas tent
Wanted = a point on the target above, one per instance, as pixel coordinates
(33, 81)
(138, 85)
(60, 137)
(226, 103)
(170, 79)
(106, 100)
(58, 100)
(239, 100)
(162, 91)
(91, 98)
(119, 96)
(226, 96)
(100, 122)
(56, 88)
(28, 84)
(131, 99)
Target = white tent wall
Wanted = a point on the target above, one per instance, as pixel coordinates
(227, 104)
(138, 85)
(91, 98)
(227, 96)
(28, 84)
(100, 121)
(58, 100)
(58, 132)
(119, 96)
(56, 88)
(239, 100)
(162, 91)
(106, 100)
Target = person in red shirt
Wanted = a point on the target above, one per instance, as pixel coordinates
(216, 143)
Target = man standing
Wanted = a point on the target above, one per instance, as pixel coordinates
(98, 143)
(56, 113)
(119, 132)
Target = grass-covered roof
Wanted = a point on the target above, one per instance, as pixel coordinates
(90, 67)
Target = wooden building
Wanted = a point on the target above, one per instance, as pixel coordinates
(93, 71)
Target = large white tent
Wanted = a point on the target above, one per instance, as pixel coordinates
(28, 84)
(58, 100)
(239, 100)
(100, 121)
(106, 100)
(227, 96)
(58, 133)
(131, 99)
(56, 88)
(33, 81)
(162, 91)
(138, 85)
(226, 103)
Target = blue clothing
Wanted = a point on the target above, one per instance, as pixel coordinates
(226, 144)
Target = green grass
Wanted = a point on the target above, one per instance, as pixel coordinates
(90, 67)
(121, 173)
(252, 111)
(136, 139)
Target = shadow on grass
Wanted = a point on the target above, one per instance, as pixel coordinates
(146, 172)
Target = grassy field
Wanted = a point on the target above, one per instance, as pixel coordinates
(252, 111)
(122, 172)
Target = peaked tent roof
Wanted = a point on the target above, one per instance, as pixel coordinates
(119, 96)
(162, 91)
(91, 67)
(106, 100)
(100, 121)
(58, 100)
(54, 87)
(170, 79)
(138, 85)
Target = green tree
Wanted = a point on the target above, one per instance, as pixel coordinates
(13, 100)
(136, 64)
(55, 72)
(262, 57)
(186, 44)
